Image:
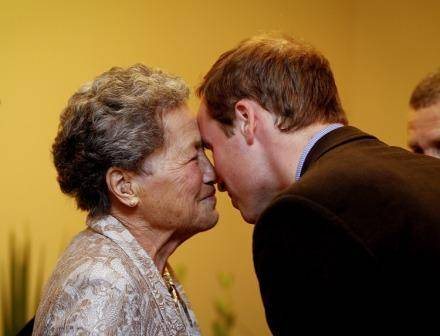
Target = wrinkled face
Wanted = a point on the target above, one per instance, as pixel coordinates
(240, 169)
(177, 191)
(424, 131)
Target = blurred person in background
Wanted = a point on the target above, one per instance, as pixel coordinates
(424, 122)
(130, 154)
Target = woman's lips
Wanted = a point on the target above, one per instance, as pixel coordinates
(210, 198)
(210, 195)
(211, 201)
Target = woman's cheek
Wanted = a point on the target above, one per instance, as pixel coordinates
(197, 177)
(190, 183)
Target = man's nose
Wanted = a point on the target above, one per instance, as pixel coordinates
(221, 186)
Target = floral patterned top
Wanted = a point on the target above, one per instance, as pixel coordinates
(105, 283)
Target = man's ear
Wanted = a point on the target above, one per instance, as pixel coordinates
(120, 184)
(245, 117)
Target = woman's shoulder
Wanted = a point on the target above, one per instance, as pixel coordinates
(92, 278)
(92, 258)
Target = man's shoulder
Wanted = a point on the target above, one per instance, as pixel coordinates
(358, 188)
(361, 172)
(292, 214)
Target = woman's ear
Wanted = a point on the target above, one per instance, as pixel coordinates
(245, 118)
(120, 184)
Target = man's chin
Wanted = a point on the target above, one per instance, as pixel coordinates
(248, 217)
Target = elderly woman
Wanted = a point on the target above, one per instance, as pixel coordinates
(129, 152)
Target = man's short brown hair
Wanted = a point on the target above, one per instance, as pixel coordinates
(285, 76)
(427, 92)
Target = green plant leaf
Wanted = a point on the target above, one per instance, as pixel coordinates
(39, 280)
(6, 304)
(218, 329)
(225, 280)
(15, 285)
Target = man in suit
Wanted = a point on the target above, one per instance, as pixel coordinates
(424, 122)
(346, 227)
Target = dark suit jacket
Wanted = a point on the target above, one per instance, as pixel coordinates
(356, 238)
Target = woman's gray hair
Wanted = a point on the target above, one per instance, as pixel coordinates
(114, 121)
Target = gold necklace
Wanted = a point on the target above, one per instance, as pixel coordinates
(169, 282)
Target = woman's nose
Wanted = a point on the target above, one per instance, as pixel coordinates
(208, 171)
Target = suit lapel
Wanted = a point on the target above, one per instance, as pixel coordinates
(331, 140)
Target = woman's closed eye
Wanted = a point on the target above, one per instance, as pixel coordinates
(194, 158)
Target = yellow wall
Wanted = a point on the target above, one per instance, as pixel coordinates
(395, 44)
(378, 49)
